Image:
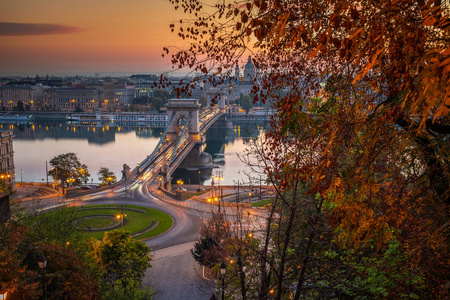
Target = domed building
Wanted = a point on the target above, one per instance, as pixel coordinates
(249, 70)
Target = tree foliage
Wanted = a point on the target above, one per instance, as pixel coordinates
(68, 170)
(54, 227)
(157, 103)
(123, 262)
(207, 251)
(246, 103)
(6, 188)
(67, 275)
(361, 128)
(106, 176)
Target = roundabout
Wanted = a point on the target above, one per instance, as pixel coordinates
(142, 222)
(98, 223)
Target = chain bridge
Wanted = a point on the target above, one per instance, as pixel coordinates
(182, 139)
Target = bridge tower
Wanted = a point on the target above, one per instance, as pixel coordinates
(180, 110)
(221, 101)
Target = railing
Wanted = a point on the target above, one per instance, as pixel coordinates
(206, 124)
(144, 164)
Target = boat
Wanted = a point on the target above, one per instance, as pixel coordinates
(5, 118)
(119, 118)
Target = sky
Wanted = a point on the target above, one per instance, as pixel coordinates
(85, 36)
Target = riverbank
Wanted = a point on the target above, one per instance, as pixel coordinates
(61, 116)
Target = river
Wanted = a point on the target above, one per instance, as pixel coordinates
(112, 147)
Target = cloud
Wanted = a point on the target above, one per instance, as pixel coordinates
(11, 29)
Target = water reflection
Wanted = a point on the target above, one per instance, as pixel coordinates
(112, 146)
(93, 134)
(227, 146)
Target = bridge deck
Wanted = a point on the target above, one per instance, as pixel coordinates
(168, 155)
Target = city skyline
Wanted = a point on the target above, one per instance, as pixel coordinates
(85, 37)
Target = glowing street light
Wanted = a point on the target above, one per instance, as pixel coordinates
(180, 183)
(3, 293)
(122, 215)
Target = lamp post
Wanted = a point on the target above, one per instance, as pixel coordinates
(42, 262)
(223, 271)
(220, 178)
(212, 189)
(180, 183)
(21, 172)
(3, 293)
(122, 215)
(199, 180)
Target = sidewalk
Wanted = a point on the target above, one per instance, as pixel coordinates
(30, 191)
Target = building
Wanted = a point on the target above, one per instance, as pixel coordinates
(72, 98)
(249, 71)
(10, 95)
(123, 94)
(106, 92)
(143, 89)
(7, 172)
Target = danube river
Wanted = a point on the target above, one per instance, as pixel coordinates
(112, 147)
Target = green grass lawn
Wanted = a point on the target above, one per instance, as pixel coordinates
(262, 203)
(135, 221)
(95, 223)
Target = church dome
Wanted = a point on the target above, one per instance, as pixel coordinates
(249, 65)
(249, 70)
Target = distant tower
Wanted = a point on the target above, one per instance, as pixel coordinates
(249, 71)
(237, 74)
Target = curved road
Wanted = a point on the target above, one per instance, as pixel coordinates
(174, 273)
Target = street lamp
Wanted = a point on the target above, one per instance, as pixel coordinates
(122, 215)
(3, 293)
(42, 262)
(180, 183)
(21, 172)
(223, 271)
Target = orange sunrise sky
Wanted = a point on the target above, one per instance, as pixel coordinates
(85, 36)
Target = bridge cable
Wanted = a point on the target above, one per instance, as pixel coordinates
(144, 164)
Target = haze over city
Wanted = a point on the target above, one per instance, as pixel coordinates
(85, 37)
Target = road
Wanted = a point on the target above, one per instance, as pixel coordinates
(174, 273)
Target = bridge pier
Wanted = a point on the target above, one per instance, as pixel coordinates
(168, 184)
(197, 159)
